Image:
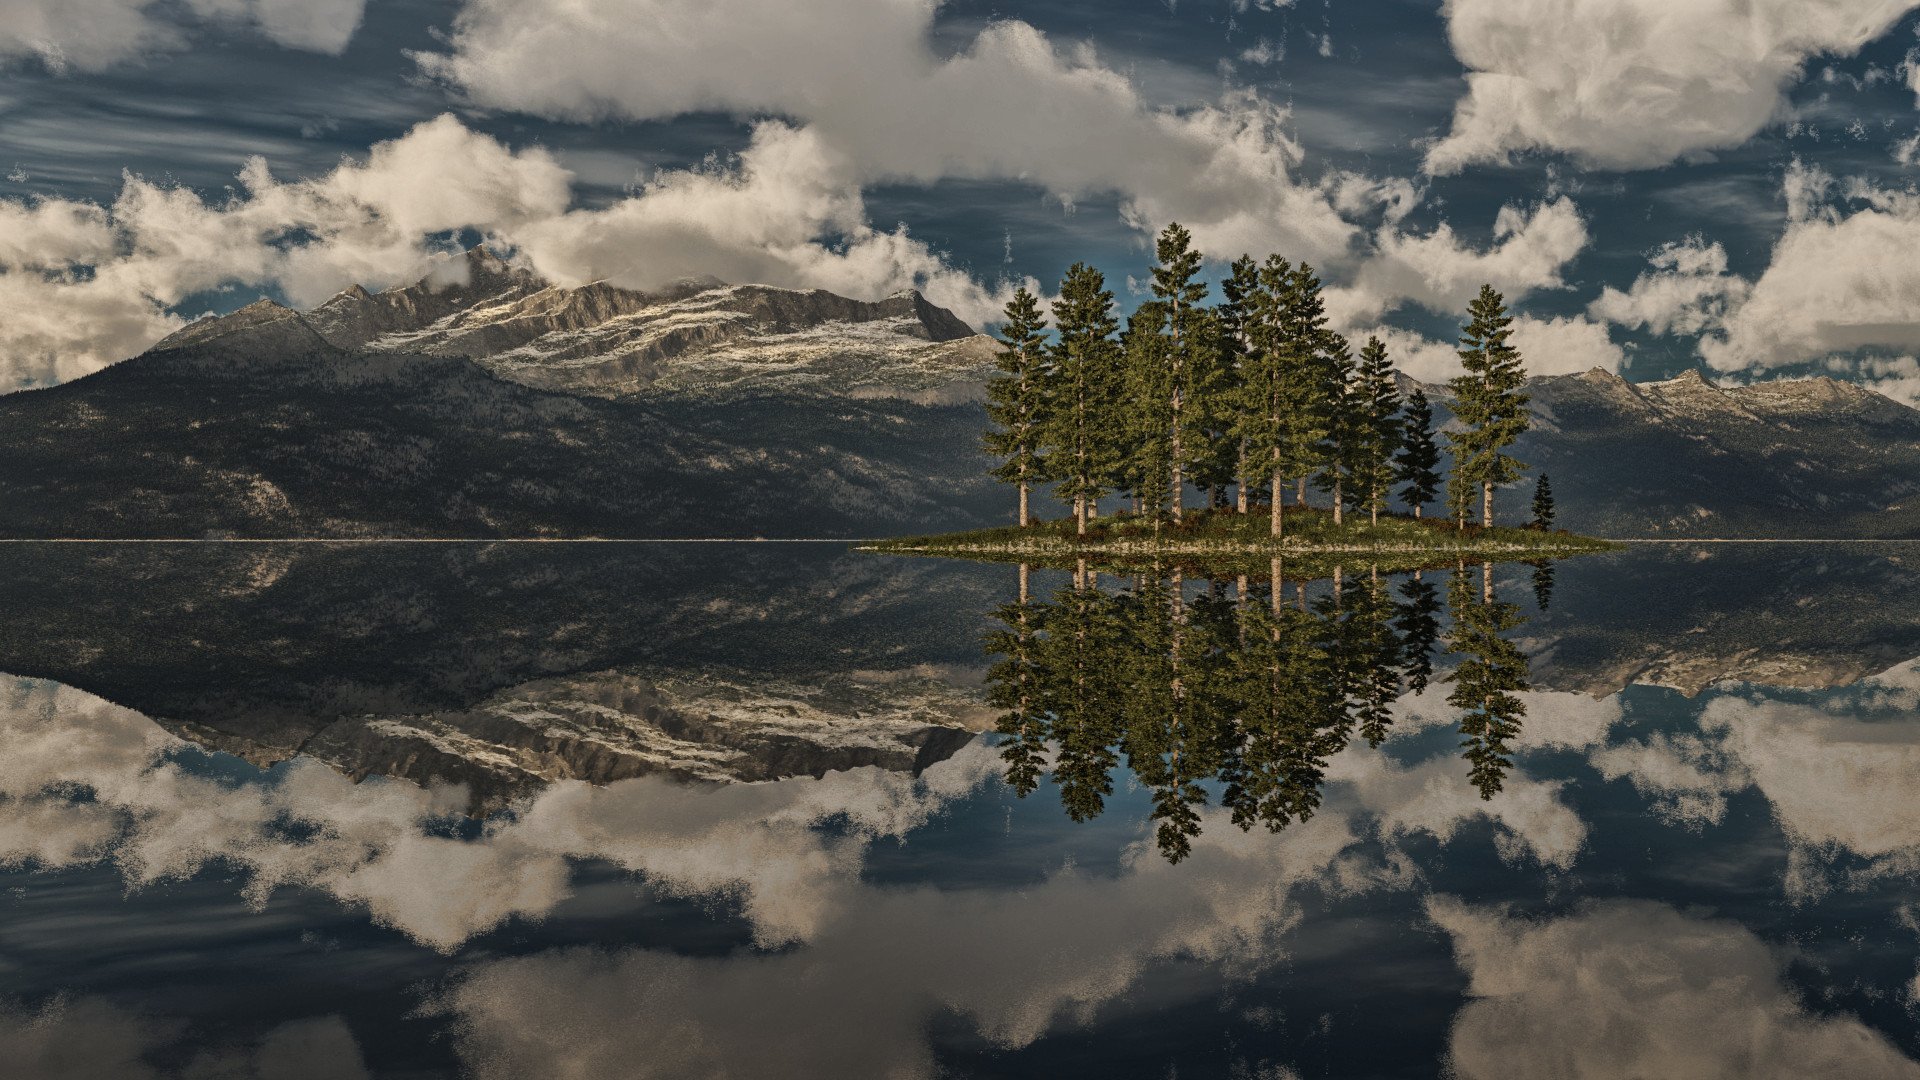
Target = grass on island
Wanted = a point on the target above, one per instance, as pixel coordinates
(1213, 538)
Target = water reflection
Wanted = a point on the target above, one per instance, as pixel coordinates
(1710, 879)
(1239, 690)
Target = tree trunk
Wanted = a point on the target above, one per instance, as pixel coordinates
(1486, 505)
(1274, 517)
(1023, 504)
(1278, 581)
(1093, 508)
(1416, 511)
(1241, 497)
(1080, 515)
(1300, 493)
(1024, 572)
(1338, 502)
(1486, 582)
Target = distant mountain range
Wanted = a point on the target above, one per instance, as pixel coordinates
(501, 405)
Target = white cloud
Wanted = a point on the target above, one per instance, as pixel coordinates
(1628, 84)
(1688, 291)
(1439, 272)
(861, 79)
(1561, 345)
(88, 285)
(1634, 988)
(89, 35)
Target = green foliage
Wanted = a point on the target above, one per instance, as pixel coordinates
(1488, 403)
(1016, 397)
(1486, 684)
(1542, 505)
(1416, 618)
(1081, 427)
(1417, 466)
(1250, 695)
(1340, 406)
(1375, 428)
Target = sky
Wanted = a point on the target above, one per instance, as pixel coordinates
(1657, 186)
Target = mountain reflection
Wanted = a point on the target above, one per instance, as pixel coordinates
(1240, 691)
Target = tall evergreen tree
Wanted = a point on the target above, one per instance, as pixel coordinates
(1013, 684)
(1377, 433)
(1542, 505)
(1417, 467)
(1145, 457)
(1235, 316)
(1488, 402)
(1082, 413)
(1345, 419)
(1283, 420)
(1016, 399)
(1416, 621)
(1176, 286)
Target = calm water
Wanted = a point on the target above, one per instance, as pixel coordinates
(319, 812)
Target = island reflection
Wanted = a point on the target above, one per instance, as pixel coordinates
(1242, 690)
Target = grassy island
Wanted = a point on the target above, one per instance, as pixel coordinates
(1213, 539)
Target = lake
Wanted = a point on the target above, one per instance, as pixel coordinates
(742, 810)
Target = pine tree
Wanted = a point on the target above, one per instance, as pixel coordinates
(1235, 315)
(1377, 435)
(1489, 405)
(1016, 402)
(1081, 413)
(1145, 458)
(1283, 419)
(1339, 403)
(1542, 505)
(1417, 466)
(1177, 288)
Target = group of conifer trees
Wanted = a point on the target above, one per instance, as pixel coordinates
(1250, 395)
(1253, 691)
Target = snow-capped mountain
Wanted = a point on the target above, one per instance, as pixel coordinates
(699, 336)
(501, 405)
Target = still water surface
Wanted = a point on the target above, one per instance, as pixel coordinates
(533, 811)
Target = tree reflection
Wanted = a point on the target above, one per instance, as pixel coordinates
(1242, 692)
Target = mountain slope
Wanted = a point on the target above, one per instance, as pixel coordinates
(256, 424)
(1686, 458)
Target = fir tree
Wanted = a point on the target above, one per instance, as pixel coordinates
(1283, 419)
(1177, 288)
(1013, 684)
(1235, 315)
(1416, 621)
(1081, 415)
(1344, 418)
(1016, 402)
(1489, 404)
(1145, 458)
(1377, 433)
(1542, 505)
(1417, 467)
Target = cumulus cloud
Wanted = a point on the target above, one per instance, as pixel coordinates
(862, 79)
(1634, 988)
(88, 285)
(1555, 346)
(1688, 291)
(89, 35)
(1630, 84)
(1440, 272)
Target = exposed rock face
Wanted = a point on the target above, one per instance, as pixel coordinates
(1687, 458)
(789, 414)
(699, 336)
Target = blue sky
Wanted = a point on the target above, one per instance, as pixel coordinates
(1658, 185)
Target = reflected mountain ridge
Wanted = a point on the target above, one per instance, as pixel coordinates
(1512, 870)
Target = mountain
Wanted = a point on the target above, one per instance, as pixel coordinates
(491, 403)
(507, 666)
(1686, 458)
(502, 406)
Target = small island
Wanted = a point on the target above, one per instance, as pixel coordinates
(1248, 402)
